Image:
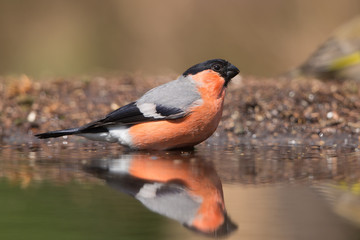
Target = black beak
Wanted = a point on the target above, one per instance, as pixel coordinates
(231, 72)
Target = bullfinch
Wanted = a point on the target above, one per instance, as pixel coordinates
(337, 58)
(171, 185)
(178, 114)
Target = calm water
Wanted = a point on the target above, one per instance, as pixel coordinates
(63, 191)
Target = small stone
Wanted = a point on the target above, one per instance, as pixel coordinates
(31, 117)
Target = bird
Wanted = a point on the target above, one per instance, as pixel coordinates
(178, 114)
(338, 58)
(170, 184)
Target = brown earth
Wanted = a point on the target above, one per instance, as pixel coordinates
(258, 111)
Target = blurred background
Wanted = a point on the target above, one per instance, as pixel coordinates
(263, 38)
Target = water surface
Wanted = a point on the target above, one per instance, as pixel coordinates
(62, 191)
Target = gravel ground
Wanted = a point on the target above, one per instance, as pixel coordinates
(273, 111)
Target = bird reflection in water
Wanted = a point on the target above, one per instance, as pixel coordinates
(182, 187)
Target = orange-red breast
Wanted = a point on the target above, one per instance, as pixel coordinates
(181, 113)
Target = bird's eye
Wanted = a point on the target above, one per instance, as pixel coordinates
(216, 67)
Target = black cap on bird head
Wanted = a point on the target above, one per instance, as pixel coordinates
(221, 66)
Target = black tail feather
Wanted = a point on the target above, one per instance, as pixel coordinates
(71, 131)
(58, 133)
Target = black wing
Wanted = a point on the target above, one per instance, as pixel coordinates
(128, 114)
(131, 114)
